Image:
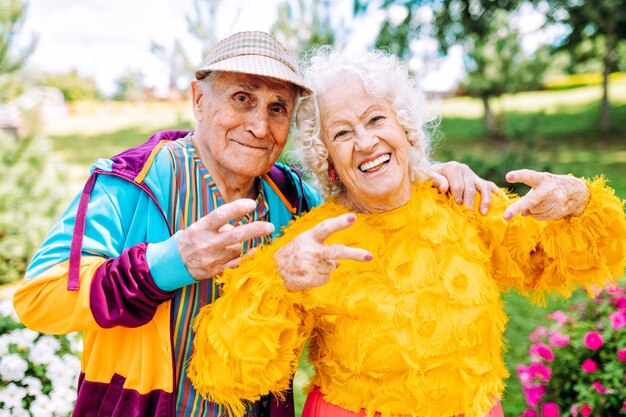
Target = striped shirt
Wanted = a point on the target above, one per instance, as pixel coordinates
(194, 195)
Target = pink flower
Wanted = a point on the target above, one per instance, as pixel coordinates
(540, 370)
(589, 366)
(620, 302)
(621, 355)
(542, 350)
(538, 334)
(559, 340)
(523, 373)
(533, 394)
(529, 412)
(549, 410)
(574, 410)
(618, 319)
(593, 340)
(560, 317)
(585, 410)
(598, 386)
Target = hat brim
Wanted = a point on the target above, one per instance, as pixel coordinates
(255, 65)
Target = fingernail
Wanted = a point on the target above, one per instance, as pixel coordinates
(483, 211)
(269, 228)
(368, 257)
(351, 218)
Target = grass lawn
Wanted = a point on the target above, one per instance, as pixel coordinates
(563, 124)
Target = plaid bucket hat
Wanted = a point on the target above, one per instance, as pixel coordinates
(256, 53)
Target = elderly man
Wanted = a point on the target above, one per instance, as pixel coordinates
(130, 261)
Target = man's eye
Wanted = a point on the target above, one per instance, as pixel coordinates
(242, 98)
(278, 109)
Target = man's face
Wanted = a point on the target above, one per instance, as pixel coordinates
(243, 123)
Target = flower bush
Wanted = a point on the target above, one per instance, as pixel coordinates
(38, 372)
(577, 363)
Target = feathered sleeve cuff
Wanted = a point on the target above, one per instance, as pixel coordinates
(248, 342)
(589, 250)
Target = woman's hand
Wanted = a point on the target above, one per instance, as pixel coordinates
(463, 184)
(551, 197)
(306, 262)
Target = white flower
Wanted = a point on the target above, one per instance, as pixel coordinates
(42, 407)
(5, 413)
(76, 342)
(12, 396)
(22, 338)
(72, 366)
(33, 385)
(44, 350)
(63, 400)
(13, 367)
(4, 346)
(6, 309)
(20, 413)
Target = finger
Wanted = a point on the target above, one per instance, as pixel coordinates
(525, 203)
(329, 226)
(526, 176)
(457, 186)
(440, 182)
(485, 189)
(328, 266)
(226, 228)
(229, 211)
(469, 191)
(247, 232)
(337, 252)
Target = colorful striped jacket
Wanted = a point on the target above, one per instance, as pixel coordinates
(110, 267)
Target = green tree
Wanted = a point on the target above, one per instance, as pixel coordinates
(496, 64)
(130, 87)
(305, 25)
(12, 55)
(495, 61)
(598, 26)
(72, 85)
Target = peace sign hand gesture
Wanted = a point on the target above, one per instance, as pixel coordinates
(306, 262)
(551, 197)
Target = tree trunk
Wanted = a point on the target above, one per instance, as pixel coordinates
(605, 107)
(488, 119)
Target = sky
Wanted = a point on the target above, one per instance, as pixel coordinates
(103, 39)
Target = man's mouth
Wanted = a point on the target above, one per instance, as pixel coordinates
(375, 164)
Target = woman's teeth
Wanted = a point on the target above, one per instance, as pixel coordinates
(375, 162)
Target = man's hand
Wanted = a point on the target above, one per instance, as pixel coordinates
(463, 183)
(211, 244)
(306, 262)
(551, 197)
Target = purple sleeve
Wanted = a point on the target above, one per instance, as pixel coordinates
(123, 292)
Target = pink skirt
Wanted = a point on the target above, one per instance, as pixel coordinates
(316, 406)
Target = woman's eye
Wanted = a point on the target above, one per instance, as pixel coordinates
(376, 119)
(339, 134)
(278, 109)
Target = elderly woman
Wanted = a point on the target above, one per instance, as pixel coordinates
(411, 322)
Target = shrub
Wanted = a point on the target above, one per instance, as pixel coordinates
(38, 373)
(578, 362)
(31, 192)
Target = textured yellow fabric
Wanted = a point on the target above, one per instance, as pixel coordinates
(418, 330)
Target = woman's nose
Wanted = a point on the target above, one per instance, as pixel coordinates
(365, 140)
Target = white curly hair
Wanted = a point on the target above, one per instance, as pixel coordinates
(383, 76)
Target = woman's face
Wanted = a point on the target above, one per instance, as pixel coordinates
(367, 146)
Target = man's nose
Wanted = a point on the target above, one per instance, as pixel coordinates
(258, 122)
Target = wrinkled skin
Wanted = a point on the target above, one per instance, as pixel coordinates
(551, 197)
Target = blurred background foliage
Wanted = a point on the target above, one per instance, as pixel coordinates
(559, 105)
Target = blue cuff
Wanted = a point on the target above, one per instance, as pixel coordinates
(166, 267)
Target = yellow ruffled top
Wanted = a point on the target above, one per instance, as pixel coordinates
(418, 331)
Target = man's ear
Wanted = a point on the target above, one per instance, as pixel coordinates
(196, 94)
